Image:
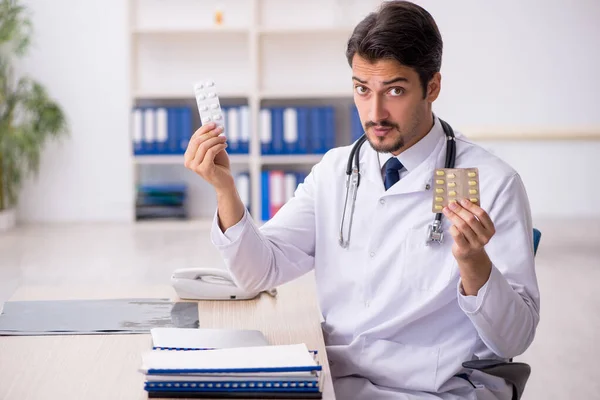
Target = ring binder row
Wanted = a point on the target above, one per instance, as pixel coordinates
(166, 130)
(274, 371)
(233, 385)
(277, 188)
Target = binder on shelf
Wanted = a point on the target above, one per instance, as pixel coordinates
(328, 120)
(138, 131)
(302, 117)
(149, 131)
(245, 121)
(322, 129)
(265, 203)
(242, 183)
(290, 184)
(290, 130)
(266, 135)
(232, 129)
(277, 130)
(185, 128)
(276, 192)
(172, 125)
(162, 131)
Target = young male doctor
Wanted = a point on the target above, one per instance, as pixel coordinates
(400, 316)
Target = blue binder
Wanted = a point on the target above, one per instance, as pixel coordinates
(328, 120)
(147, 146)
(185, 128)
(266, 204)
(315, 131)
(303, 130)
(277, 130)
(172, 141)
(138, 148)
(266, 147)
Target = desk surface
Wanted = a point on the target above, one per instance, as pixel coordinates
(106, 366)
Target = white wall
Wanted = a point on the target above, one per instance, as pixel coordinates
(508, 64)
(81, 54)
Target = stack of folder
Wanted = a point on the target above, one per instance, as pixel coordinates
(281, 371)
(161, 201)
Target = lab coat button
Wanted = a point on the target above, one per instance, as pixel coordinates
(372, 254)
(367, 304)
(382, 201)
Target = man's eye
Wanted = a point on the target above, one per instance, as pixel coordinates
(360, 89)
(396, 91)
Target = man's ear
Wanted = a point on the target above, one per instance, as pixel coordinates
(433, 87)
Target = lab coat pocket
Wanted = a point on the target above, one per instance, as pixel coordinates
(427, 267)
(399, 365)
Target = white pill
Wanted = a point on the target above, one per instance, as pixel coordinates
(199, 86)
(217, 116)
(201, 97)
(203, 108)
(207, 119)
(210, 83)
(214, 106)
(211, 95)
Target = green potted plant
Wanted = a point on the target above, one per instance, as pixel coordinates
(28, 116)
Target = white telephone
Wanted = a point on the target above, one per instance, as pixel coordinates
(209, 284)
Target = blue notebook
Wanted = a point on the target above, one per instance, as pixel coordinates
(281, 369)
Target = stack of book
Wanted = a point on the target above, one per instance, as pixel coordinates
(160, 202)
(278, 371)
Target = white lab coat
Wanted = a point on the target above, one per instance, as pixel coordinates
(396, 325)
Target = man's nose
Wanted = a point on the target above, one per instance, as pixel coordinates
(377, 111)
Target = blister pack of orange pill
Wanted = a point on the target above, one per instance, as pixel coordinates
(454, 184)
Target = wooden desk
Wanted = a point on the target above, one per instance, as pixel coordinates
(106, 366)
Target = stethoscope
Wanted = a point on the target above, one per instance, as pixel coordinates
(434, 233)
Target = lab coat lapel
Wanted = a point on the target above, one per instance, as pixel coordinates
(415, 181)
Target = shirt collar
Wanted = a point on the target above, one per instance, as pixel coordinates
(417, 153)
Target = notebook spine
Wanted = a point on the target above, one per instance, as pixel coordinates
(183, 348)
(313, 352)
(161, 371)
(283, 386)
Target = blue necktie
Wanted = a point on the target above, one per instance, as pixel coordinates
(392, 172)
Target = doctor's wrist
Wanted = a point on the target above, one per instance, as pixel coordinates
(474, 273)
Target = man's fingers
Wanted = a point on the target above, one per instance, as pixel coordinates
(462, 226)
(458, 237)
(481, 215)
(204, 147)
(204, 133)
(473, 223)
(209, 157)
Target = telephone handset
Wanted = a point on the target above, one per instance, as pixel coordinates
(209, 284)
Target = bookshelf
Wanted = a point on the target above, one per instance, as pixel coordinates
(264, 53)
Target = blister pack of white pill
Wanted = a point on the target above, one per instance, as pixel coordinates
(208, 103)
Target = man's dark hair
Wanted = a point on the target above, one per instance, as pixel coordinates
(402, 31)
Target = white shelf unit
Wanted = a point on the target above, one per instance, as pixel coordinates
(265, 52)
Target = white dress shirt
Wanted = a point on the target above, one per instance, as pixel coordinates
(396, 324)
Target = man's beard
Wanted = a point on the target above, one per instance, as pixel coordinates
(398, 143)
